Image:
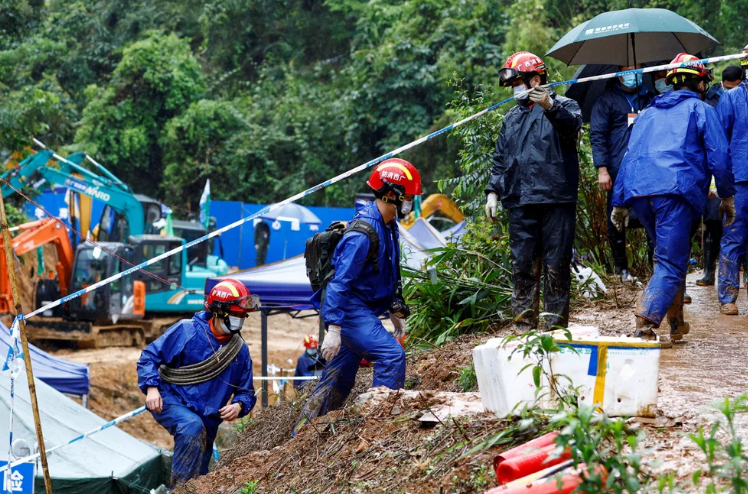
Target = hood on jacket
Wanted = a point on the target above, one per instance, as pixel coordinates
(673, 98)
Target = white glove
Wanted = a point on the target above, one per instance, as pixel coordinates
(331, 345)
(399, 324)
(541, 96)
(492, 205)
(619, 217)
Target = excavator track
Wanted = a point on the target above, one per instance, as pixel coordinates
(135, 333)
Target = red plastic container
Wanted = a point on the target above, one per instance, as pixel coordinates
(569, 482)
(525, 459)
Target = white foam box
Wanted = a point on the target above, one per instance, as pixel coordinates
(621, 374)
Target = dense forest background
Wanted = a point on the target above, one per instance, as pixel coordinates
(269, 97)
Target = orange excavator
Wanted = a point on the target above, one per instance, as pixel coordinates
(33, 235)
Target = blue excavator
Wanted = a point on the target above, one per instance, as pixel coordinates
(126, 228)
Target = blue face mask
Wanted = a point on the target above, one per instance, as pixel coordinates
(312, 352)
(631, 80)
(662, 86)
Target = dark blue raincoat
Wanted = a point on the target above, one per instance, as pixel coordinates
(190, 412)
(306, 366)
(356, 296)
(733, 113)
(675, 147)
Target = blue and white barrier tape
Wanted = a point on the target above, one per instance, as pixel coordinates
(109, 424)
(361, 167)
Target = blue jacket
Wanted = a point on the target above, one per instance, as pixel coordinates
(676, 145)
(609, 127)
(733, 112)
(713, 95)
(355, 286)
(305, 367)
(188, 342)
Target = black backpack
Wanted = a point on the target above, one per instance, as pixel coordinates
(320, 248)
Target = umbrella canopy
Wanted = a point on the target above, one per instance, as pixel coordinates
(294, 213)
(626, 37)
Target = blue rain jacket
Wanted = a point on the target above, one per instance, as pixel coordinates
(188, 342)
(713, 95)
(676, 145)
(356, 287)
(609, 127)
(733, 112)
(305, 367)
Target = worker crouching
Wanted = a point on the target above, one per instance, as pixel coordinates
(191, 371)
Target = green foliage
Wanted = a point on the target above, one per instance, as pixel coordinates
(156, 80)
(461, 289)
(468, 381)
(249, 487)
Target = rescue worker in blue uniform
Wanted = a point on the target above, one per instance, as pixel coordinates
(191, 402)
(359, 292)
(535, 174)
(733, 113)
(676, 145)
(309, 363)
(731, 78)
(612, 116)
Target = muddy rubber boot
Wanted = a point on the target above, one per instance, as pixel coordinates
(729, 309)
(674, 317)
(646, 330)
(710, 263)
(686, 298)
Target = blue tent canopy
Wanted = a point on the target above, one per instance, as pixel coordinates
(282, 283)
(62, 375)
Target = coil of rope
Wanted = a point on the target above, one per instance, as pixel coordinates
(206, 370)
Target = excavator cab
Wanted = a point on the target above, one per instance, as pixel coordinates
(111, 302)
(114, 227)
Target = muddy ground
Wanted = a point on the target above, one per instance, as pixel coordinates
(350, 451)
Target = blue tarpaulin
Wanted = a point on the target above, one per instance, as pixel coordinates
(282, 283)
(62, 375)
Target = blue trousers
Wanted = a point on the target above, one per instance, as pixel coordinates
(193, 440)
(667, 219)
(732, 248)
(363, 337)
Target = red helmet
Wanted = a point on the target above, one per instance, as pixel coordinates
(521, 64)
(696, 70)
(231, 298)
(310, 342)
(395, 175)
(744, 61)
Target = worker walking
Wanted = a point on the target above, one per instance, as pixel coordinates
(676, 145)
(535, 173)
(733, 113)
(309, 363)
(364, 284)
(731, 78)
(191, 371)
(613, 114)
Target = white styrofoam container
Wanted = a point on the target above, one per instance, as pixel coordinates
(502, 387)
(619, 373)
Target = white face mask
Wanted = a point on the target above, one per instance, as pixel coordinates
(518, 90)
(406, 207)
(235, 325)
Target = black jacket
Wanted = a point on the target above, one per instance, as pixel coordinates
(609, 127)
(536, 161)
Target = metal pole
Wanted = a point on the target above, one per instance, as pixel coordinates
(264, 336)
(25, 344)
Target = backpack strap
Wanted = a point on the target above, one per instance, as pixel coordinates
(363, 226)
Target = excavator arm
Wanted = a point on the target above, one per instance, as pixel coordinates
(67, 172)
(36, 234)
